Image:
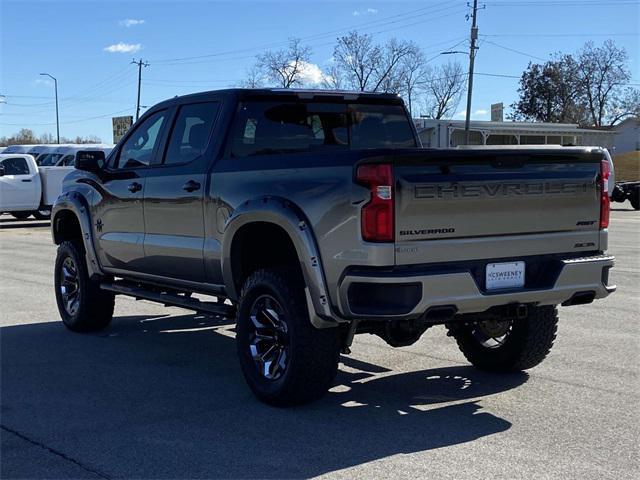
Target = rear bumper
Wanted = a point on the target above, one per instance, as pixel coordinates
(411, 292)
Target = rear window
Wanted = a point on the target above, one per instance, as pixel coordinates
(264, 127)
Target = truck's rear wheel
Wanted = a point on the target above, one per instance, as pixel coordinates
(634, 198)
(83, 306)
(505, 345)
(284, 359)
(42, 214)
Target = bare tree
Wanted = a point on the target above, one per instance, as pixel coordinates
(444, 86)
(358, 58)
(389, 69)
(284, 67)
(625, 105)
(333, 79)
(413, 69)
(602, 72)
(254, 78)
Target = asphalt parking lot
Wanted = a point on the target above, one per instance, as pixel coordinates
(160, 395)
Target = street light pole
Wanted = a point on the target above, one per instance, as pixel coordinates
(55, 84)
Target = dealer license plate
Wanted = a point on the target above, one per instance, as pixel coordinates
(505, 275)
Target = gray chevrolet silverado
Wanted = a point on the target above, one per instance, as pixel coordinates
(312, 216)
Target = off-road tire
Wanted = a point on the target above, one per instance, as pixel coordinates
(526, 345)
(313, 354)
(21, 215)
(95, 306)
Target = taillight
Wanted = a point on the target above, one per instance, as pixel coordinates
(605, 203)
(377, 214)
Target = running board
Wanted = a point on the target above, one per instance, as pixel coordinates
(169, 299)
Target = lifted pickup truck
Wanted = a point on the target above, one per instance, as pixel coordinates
(312, 216)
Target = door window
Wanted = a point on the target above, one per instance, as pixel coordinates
(191, 131)
(139, 147)
(68, 160)
(15, 166)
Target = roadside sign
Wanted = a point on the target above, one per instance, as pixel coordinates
(120, 127)
(497, 112)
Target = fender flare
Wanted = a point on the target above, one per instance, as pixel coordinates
(76, 204)
(292, 220)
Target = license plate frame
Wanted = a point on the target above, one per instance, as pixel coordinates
(505, 275)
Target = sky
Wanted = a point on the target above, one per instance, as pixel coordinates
(196, 46)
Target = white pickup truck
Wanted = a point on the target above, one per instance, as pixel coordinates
(26, 189)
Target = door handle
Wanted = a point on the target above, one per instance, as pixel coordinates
(191, 186)
(134, 187)
(26, 180)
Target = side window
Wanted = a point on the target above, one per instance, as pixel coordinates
(15, 166)
(191, 131)
(138, 149)
(68, 160)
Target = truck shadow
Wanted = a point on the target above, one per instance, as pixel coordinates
(163, 397)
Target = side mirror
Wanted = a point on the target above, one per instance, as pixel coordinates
(1, 170)
(90, 160)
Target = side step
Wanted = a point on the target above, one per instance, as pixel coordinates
(169, 299)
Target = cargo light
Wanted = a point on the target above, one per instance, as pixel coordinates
(605, 203)
(377, 223)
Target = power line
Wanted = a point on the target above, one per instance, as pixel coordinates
(71, 121)
(516, 51)
(188, 60)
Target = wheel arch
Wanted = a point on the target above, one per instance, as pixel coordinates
(279, 218)
(70, 220)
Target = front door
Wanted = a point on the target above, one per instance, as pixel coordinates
(174, 197)
(118, 220)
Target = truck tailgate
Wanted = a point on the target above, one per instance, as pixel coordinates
(487, 198)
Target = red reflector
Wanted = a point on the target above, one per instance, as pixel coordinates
(605, 203)
(377, 214)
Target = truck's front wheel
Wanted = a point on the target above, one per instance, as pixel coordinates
(83, 306)
(284, 359)
(505, 345)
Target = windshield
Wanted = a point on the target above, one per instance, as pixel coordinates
(49, 159)
(265, 127)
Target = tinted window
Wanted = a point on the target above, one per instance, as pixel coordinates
(15, 166)
(68, 160)
(263, 127)
(380, 126)
(190, 134)
(277, 127)
(49, 159)
(138, 149)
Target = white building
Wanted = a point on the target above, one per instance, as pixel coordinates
(450, 133)
(627, 136)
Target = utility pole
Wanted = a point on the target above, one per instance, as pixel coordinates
(472, 58)
(140, 64)
(55, 83)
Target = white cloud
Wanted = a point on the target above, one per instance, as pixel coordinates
(481, 112)
(43, 81)
(130, 22)
(312, 74)
(123, 48)
(364, 12)
(478, 113)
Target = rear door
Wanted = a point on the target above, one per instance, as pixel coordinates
(466, 197)
(174, 196)
(20, 185)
